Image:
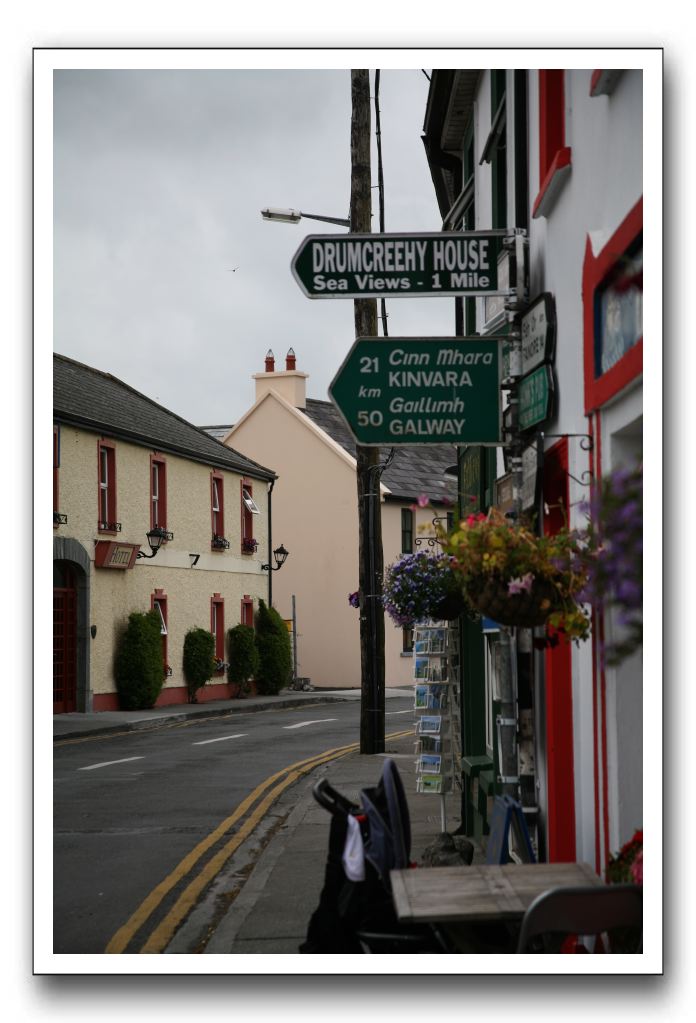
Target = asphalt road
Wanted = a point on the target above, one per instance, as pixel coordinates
(128, 809)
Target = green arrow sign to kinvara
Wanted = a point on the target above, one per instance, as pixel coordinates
(421, 391)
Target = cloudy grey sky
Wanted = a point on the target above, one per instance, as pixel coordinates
(159, 179)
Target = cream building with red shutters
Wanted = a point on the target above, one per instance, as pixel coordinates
(123, 466)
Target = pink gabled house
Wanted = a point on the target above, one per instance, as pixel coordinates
(315, 516)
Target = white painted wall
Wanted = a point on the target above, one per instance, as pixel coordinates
(606, 139)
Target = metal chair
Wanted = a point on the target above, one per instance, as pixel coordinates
(582, 910)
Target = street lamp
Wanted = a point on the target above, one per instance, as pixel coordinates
(294, 217)
(280, 555)
(155, 537)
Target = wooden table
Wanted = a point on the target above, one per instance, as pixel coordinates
(480, 892)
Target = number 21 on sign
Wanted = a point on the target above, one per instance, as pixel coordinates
(369, 364)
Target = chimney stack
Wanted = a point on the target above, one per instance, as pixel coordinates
(289, 383)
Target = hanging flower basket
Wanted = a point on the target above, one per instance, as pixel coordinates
(422, 586)
(510, 574)
(526, 610)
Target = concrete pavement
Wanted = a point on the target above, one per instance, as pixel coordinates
(273, 909)
(70, 726)
(262, 900)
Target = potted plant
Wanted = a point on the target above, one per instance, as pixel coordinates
(422, 586)
(249, 545)
(517, 578)
(626, 867)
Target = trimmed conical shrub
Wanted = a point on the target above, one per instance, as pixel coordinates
(275, 654)
(243, 656)
(139, 666)
(199, 660)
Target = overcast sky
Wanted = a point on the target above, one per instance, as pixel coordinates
(159, 179)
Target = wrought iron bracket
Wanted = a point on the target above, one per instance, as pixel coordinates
(586, 444)
(430, 540)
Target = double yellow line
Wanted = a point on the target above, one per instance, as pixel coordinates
(165, 930)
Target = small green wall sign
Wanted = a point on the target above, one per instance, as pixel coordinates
(536, 392)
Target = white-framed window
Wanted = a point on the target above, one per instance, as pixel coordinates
(217, 508)
(104, 485)
(158, 493)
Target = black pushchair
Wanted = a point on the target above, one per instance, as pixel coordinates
(355, 911)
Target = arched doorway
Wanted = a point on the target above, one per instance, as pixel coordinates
(71, 631)
(64, 638)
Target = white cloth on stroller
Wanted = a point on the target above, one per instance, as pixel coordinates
(354, 851)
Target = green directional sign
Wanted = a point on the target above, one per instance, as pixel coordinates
(395, 391)
(535, 397)
(400, 265)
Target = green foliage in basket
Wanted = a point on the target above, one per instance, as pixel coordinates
(489, 547)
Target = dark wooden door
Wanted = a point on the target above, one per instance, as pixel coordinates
(64, 649)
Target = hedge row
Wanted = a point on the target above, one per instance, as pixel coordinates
(263, 654)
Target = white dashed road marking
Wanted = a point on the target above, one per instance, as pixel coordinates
(317, 721)
(108, 763)
(223, 738)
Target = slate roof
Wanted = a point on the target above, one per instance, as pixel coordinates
(411, 472)
(87, 397)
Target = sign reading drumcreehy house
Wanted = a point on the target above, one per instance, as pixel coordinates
(538, 328)
(421, 391)
(398, 265)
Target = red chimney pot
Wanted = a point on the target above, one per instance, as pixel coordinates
(290, 359)
(270, 362)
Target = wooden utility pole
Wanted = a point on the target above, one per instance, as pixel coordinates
(368, 476)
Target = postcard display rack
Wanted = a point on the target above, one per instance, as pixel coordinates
(438, 740)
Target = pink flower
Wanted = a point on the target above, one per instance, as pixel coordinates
(423, 500)
(521, 585)
(637, 868)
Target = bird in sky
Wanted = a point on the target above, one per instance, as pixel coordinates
(232, 269)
